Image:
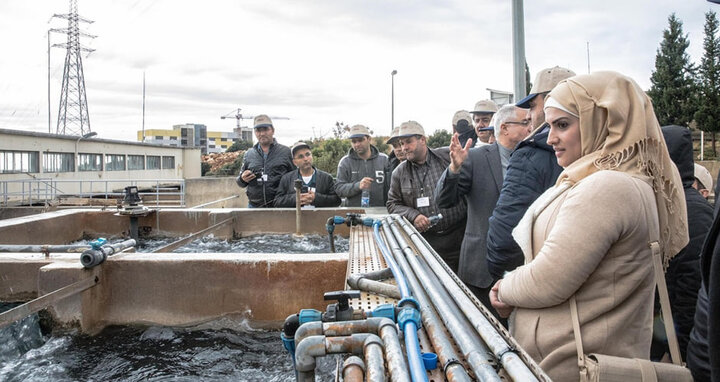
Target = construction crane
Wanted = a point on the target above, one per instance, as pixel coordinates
(244, 132)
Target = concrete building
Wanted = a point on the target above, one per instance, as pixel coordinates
(192, 135)
(74, 161)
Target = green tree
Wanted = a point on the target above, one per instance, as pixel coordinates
(379, 143)
(328, 152)
(708, 114)
(673, 85)
(528, 83)
(439, 138)
(239, 145)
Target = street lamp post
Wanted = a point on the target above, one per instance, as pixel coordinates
(85, 136)
(392, 100)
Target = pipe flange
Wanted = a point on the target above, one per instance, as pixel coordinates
(450, 362)
(354, 361)
(409, 314)
(409, 300)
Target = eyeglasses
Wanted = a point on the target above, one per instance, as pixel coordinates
(524, 122)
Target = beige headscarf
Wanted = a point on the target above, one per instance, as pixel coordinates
(619, 131)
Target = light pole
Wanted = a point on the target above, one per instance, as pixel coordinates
(392, 100)
(84, 136)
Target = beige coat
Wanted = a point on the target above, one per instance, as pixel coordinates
(592, 241)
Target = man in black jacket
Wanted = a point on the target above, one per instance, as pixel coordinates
(263, 165)
(396, 155)
(532, 169)
(318, 187)
(683, 273)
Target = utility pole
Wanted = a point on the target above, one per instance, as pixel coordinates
(73, 117)
(518, 39)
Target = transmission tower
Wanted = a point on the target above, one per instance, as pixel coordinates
(73, 117)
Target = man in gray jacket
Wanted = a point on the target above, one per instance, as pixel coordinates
(477, 174)
(364, 168)
(411, 194)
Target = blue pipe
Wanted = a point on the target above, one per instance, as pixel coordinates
(409, 317)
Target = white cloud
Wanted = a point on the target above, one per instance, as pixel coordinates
(316, 62)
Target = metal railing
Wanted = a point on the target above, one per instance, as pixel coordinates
(168, 192)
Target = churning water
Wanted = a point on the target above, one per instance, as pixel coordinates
(162, 353)
(146, 354)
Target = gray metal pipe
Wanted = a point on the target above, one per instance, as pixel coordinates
(384, 327)
(476, 353)
(353, 369)
(298, 208)
(454, 370)
(370, 345)
(357, 281)
(382, 274)
(515, 366)
(44, 248)
(93, 257)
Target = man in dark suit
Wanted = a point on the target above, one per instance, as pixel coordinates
(477, 174)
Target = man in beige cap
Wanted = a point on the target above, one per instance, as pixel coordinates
(396, 155)
(482, 115)
(263, 165)
(463, 125)
(412, 191)
(364, 172)
(318, 187)
(532, 169)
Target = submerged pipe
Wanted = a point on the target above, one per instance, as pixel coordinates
(298, 207)
(370, 345)
(358, 281)
(409, 317)
(44, 248)
(95, 256)
(516, 368)
(353, 369)
(384, 327)
(454, 370)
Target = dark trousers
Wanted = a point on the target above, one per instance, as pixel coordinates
(447, 244)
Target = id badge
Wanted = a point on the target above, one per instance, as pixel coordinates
(264, 177)
(423, 202)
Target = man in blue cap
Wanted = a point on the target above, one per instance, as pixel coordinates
(532, 169)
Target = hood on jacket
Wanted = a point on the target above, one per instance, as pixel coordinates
(679, 143)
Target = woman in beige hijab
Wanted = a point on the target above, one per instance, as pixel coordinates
(589, 235)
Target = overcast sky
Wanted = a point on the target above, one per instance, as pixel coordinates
(315, 62)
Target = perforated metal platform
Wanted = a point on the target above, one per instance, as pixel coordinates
(365, 256)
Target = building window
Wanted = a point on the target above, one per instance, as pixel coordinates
(114, 162)
(159, 137)
(168, 162)
(173, 138)
(89, 162)
(223, 140)
(19, 161)
(136, 162)
(153, 162)
(58, 162)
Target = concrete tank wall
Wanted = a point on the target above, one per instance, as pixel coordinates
(207, 189)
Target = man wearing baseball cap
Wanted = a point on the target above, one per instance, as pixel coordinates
(482, 116)
(318, 187)
(397, 155)
(263, 165)
(364, 168)
(412, 189)
(463, 125)
(532, 169)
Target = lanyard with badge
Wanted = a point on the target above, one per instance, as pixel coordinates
(422, 200)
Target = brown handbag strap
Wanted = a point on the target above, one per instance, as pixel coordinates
(665, 304)
(578, 336)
